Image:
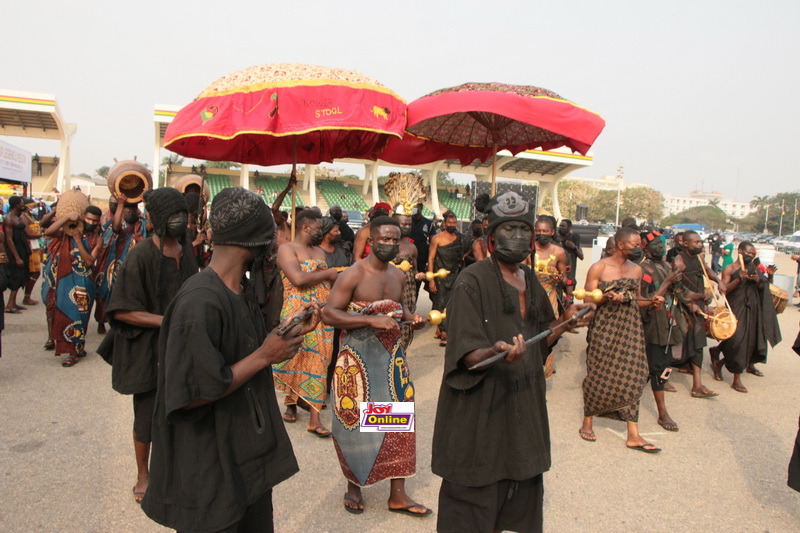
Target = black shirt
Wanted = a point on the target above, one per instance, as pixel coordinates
(135, 350)
(211, 462)
(421, 231)
(492, 424)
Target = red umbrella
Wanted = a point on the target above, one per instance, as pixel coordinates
(477, 119)
(280, 114)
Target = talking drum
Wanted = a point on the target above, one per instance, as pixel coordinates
(779, 298)
(720, 324)
(193, 183)
(130, 178)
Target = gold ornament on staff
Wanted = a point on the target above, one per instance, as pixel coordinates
(404, 265)
(436, 317)
(542, 265)
(581, 293)
(441, 273)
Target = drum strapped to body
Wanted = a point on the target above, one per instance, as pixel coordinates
(721, 322)
(779, 298)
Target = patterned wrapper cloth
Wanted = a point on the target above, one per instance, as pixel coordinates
(371, 367)
(305, 375)
(69, 292)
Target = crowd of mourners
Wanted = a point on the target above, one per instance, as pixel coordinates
(210, 312)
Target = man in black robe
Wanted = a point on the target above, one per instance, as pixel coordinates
(219, 445)
(446, 252)
(146, 283)
(571, 242)
(756, 323)
(677, 247)
(491, 439)
(693, 299)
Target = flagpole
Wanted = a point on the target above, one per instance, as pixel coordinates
(794, 222)
(780, 226)
(766, 218)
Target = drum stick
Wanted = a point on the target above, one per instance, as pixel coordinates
(546, 333)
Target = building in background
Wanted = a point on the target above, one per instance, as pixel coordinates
(732, 208)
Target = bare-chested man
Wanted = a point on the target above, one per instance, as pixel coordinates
(306, 278)
(366, 302)
(616, 357)
(283, 230)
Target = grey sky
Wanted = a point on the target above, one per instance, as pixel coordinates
(691, 91)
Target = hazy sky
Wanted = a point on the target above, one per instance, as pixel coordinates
(692, 92)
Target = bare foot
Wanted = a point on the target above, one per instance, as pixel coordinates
(716, 369)
(703, 392)
(29, 301)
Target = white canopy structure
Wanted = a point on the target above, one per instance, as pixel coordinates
(34, 115)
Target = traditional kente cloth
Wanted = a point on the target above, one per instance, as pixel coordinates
(551, 288)
(448, 257)
(35, 262)
(305, 375)
(371, 367)
(756, 324)
(409, 298)
(112, 257)
(18, 276)
(616, 361)
(69, 292)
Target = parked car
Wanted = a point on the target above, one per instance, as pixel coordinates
(354, 219)
(607, 230)
(789, 240)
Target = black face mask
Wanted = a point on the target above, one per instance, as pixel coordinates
(656, 250)
(636, 255)
(695, 251)
(336, 216)
(544, 239)
(176, 225)
(132, 218)
(510, 250)
(679, 246)
(563, 231)
(405, 231)
(477, 232)
(747, 259)
(316, 239)
(336, 239)
(385, 252)
(450, 229)
(89, 228)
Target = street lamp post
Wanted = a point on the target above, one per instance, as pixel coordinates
(619, 188)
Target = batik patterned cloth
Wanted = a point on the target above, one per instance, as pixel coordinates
(616, 359)
(69, 292)
(305, 375)
(551, 288)
(371, 367)
(112, 256)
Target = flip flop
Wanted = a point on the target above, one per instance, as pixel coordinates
(69, 361)
(739, 389)
(21, 308)
(756, 372)
(585, 435)
(137, 496)
(642, 448)
(707, 394)
(671, 387)
(408, 512)
(320, 432)
(669, 427)
(353, 501)
(291, 419)
(13, 311)
(50, 345)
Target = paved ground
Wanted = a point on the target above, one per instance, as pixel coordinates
(67, 460)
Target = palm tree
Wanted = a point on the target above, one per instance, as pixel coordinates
(760, 202)
(714, 203)
(170, 160)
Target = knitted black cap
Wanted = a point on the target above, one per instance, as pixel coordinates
(240, 218)
(507, 207)
(161, 204)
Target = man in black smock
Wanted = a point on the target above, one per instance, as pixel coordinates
(491, 440)
(219, 445)
(146, 282)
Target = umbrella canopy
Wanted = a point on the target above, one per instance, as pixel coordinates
(279, 114)
(508, 117)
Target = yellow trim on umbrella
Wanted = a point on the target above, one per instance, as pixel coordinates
(298, 83)
(288, 134)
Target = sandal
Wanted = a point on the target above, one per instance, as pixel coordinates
(81, 354)
(70, 361)
(50, 345)
(669, 387)
(756, 372)
(588, 436)
(320, 432)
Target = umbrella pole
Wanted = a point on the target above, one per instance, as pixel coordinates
(294, 183)
(494, 170)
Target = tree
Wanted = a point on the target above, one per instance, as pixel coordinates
(85, 175)
(641, 203)
(172, 160)
(103, 171)
(713, 203)
(712, 217)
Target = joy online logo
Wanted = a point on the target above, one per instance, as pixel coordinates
(389, 416)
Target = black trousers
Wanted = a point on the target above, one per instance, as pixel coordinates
(257, 518)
